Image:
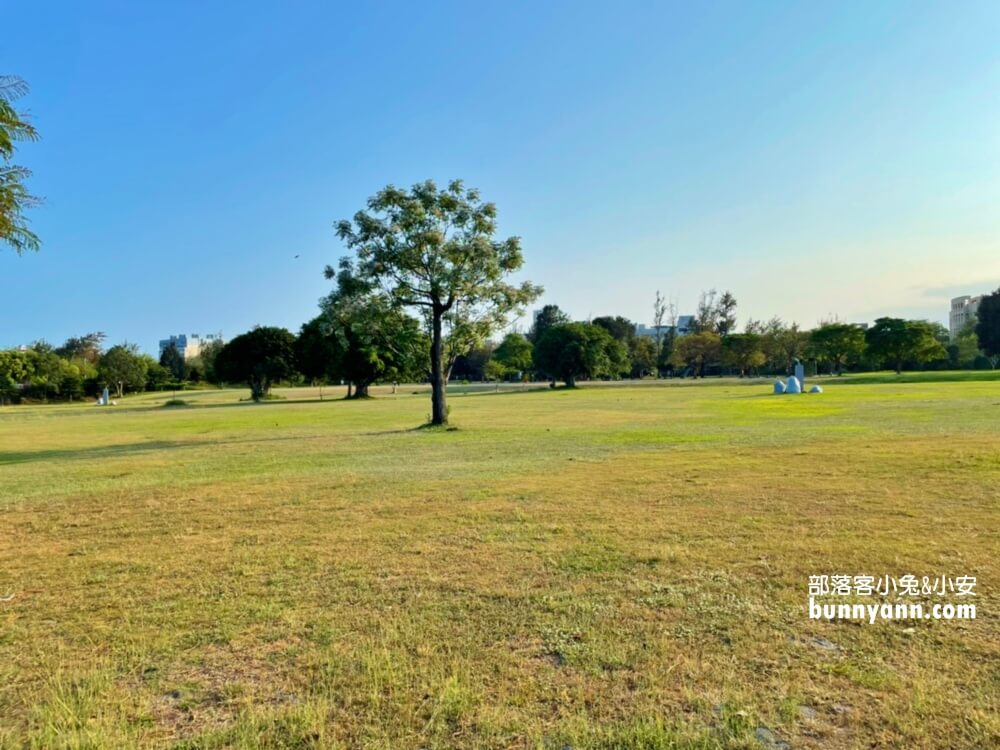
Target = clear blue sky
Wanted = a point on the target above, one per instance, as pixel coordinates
(820, 159)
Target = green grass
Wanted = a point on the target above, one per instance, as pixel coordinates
(611, 567)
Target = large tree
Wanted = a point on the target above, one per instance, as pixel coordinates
(372, 339)
(514, 354)
(837, 344)
(14, 196)
(546, 318)
(435, 250)
(172, 359)
(699, 350)
(744, 351)
(259, 358)
(124, 368)
(895, 341)
(575, 350)
(988, 326)
(621, 329)
(87, 347)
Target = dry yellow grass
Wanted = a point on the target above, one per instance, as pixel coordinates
(608, 568)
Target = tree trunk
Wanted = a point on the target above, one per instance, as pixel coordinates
(361, 390)
(350, 383)
(439, 406)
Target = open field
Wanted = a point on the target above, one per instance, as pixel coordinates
(619, 567)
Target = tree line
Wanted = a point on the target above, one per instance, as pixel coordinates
(422, 298)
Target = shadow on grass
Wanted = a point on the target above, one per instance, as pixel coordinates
(101, 452)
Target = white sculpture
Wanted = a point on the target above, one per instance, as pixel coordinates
(815, 389)
(794, 386)
(779, 387)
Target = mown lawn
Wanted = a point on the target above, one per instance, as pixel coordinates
(611, 567)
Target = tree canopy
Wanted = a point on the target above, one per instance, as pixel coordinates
(895, 342)
(988, 324)
(434, 250)
(14, 196)
(837, 344)
(571, 351)
(258, 358)
(123, 368)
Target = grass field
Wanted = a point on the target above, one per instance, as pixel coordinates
(611, 567)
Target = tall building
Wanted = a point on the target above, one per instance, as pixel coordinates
(189, 346)
(963, 309)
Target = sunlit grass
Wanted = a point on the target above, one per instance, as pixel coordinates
(614, 567)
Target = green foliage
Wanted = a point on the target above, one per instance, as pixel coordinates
(571, 351)
(87, 347)
(699, 350)
(258, 358)
(364, 336)
(642, 356)
(988, 324)
(173, 361)
(206, 360)
(14, 196)
(514, 353)
(715, 314)
(621, 329)
(123, 368)
(896, 342)
(434, 250)
(158, 377)
(743, 351)
(548, 317)
(837, 344)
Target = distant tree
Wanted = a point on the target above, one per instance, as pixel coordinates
(699, 350)
(14, 196)
(123, 368)
(666, 360)
(472, 364)
(434, 250)
(988, 326)
(659, 312)
(317, 353)
(837, 344)
(207, 357)
(896, 341)
(173, 360)
(964, 350)
(784, 344)
(373, 339)
(41, 347)
(157, 376)
(725, 314)
(707, 313)
(514, 353)
(744, 351)
(642, 356)
(546, 318)
(621, 329)
(571, 351)
(86, 347)
(259, 358)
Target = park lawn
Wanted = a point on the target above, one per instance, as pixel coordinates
(608, 567)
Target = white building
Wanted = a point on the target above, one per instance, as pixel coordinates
(685, 323)
(963, 309)
(189, 346)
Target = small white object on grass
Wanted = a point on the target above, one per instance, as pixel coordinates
(815, 389)
(779, 387)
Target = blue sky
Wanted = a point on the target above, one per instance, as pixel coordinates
(819, 159)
